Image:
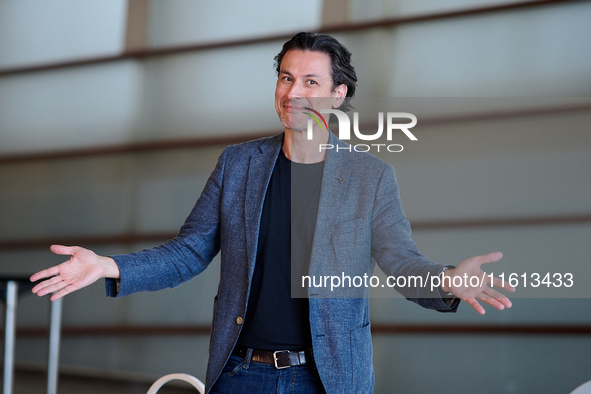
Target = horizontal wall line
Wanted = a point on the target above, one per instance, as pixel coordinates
(136, 147)
(200, 142)
(109, 239)
(477, 329)
(116, 239)
(502, 222)
(344, 28)
(377, 329)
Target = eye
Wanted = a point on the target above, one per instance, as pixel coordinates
(312, 82)
(285, 78)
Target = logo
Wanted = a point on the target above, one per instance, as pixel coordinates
(345, 129)
(316, 119)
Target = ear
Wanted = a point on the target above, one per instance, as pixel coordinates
(339, 93)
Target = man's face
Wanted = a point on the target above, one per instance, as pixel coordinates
(302, 76)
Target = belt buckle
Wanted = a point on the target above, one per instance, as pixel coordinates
(275, 359)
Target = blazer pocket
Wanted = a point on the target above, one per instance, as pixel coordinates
(213, 320)
(361, 360)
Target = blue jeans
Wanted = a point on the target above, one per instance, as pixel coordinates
(245, 376)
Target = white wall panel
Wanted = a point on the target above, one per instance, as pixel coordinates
(69, 108)
(364, 10)
(104, 195)
(33, 31)
(174, 22)
(211, 93)
(526, 52)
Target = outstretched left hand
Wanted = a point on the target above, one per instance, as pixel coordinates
(484, 289)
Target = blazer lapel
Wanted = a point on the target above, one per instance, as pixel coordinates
(260, 168)
(335, 181)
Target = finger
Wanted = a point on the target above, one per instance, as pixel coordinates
(51, 288)
(495, 302)
(490, 258)
(63, 292)
(474, 304)
(43, 291)
(46, 273)
(61, 249)
(490, 294)
(40, 286)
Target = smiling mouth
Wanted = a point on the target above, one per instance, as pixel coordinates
(295, 106)
(294, 109)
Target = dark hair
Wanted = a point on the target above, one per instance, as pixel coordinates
(340, 57)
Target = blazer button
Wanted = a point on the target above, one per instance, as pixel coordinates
(239, 320)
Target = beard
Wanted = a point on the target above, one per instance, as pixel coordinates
(299, 122)
(296, 120)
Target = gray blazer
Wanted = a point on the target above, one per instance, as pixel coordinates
(360, 223)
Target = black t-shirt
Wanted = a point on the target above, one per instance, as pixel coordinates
(274, 320)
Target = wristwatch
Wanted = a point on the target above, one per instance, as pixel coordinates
(447, 267)
(448, 297)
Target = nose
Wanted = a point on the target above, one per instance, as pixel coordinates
(295, 91)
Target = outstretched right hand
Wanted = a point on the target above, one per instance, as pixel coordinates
(82, 269)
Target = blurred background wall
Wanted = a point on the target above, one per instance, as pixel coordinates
(113, 113)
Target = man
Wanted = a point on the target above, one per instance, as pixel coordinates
(348, 218)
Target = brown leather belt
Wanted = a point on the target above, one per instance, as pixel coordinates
(279, 359)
